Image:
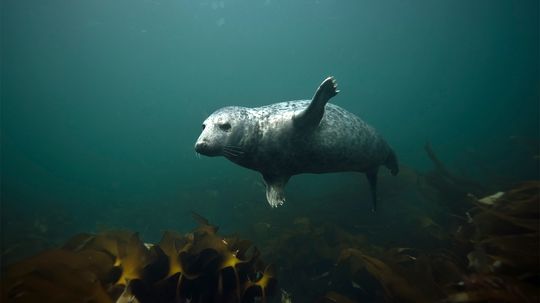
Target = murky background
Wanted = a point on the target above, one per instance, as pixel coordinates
(102, 102)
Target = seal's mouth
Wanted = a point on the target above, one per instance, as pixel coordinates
(203, 148)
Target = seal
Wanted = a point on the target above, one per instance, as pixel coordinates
(290, 138)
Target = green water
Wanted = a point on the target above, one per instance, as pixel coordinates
(102, 101)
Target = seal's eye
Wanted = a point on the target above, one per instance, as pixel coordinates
(225, 126)
(203, 126)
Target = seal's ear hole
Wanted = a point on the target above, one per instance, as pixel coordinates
(225, 126)
(203, 126)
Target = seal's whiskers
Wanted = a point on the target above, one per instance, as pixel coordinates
(234, 152)
(235, 148)
(229, 154)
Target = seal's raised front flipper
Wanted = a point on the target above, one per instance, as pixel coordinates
(275, 186)
(372, 178)
(312, 115)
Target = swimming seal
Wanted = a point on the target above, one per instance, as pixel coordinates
(289, 138)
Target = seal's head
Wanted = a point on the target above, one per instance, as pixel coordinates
(223, 133)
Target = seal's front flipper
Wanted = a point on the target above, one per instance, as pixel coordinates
(372, 178)
(312, 115)
(275, 186)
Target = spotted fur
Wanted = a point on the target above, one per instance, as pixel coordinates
(268, 140)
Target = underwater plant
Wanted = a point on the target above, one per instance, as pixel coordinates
(200, 266)
(503, 230)
(501, 265)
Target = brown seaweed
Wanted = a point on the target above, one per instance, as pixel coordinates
(201, 266)
(334, 297)
(395, 278)
(448, 188)
(58, 276)
(505, 258)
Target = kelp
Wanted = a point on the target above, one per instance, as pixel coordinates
(58, 276)
(494, 258)
(394, 286)
(492, 288)
(201, 266)
(334, 297)
(306, 251)
(447, 188)
(447, 181)
(483, 247)
(507, 231)
(33, 232)
(505, 259)
(402, 274)
(310, 244)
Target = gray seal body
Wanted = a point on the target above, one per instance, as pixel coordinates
(295, 137)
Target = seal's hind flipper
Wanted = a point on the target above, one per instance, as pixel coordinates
(312, 115)
(392, 163)
(372, 179)
(275, 186)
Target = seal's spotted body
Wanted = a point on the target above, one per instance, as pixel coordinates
(294, 137)
(326, 148)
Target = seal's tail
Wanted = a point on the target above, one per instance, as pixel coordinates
(392, 163)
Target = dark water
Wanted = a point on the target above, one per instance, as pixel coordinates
(102, 102)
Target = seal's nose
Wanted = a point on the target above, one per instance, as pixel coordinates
(207, 148)
(200, 146)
